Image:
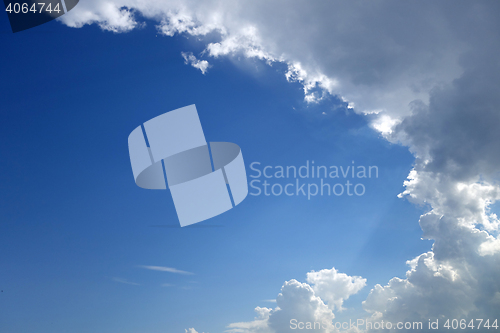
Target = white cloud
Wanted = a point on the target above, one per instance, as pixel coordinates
(384, 123)
(334, 287)
(304, 302)
(190, 59)
(380, 56)
(258, 325)
(490, 247)
(190, 330)
(166, 269)
(106, 14)
(298, 301)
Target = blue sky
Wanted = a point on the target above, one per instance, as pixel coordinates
(76, 231)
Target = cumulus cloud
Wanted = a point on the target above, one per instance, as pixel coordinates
(304, 302)
(427, 73)
(190, 330)
(452, 281)
(258, 325)
(334, 287)
(296, 301)
(107, 15)
(453, 138)
(378, 56)
(190, 59)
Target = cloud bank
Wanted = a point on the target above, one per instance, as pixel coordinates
(378, 56)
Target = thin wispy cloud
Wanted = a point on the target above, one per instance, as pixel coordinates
(166, 269)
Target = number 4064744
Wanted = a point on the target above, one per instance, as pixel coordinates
(35, 8)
